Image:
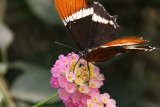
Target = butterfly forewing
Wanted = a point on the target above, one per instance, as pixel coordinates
(87, 20)
(104, 26)
(68, 7)
(77, 18)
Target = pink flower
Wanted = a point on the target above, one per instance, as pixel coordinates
(74, 56)
(84, 99)
(76, 97)
(95, 83)
(94, 91)
(96, 98)
(101, 100)
(97, 70)
(111, 103)
(69, 103)
(62, 81)
(100, 77)
(70, 87)
(63, 94)
(70, 76)
(91, 103)
(54, 82)
(64, 68)
(64, 60)
(77, 85)
(55, 72)
(84, 89)
(105, 97)
(81, 105)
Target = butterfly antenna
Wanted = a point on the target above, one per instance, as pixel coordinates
(65, 46)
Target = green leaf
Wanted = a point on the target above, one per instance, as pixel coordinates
(6, 36)
(45, 10)
(34, 84)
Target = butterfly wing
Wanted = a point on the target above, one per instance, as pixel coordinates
(104, 27)
(118, 46)
(88, 21)
(76, 16)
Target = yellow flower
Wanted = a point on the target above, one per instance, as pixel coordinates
(79, 81)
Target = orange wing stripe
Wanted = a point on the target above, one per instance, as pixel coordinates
(67, 7)
(125, 40)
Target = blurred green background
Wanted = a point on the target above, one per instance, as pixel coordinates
(28, 29)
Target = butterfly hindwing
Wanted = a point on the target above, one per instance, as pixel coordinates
(118, 46)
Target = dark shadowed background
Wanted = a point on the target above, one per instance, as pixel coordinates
(28, 29)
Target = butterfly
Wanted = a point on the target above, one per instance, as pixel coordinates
(94, 30)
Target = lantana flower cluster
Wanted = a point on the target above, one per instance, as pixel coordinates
(78, 82)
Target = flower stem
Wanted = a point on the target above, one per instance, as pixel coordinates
(46, 101)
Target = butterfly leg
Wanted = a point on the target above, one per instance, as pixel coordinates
(95, 64)
(88, 71)
(76, 64)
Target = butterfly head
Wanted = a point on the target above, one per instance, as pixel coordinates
(83, 54)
